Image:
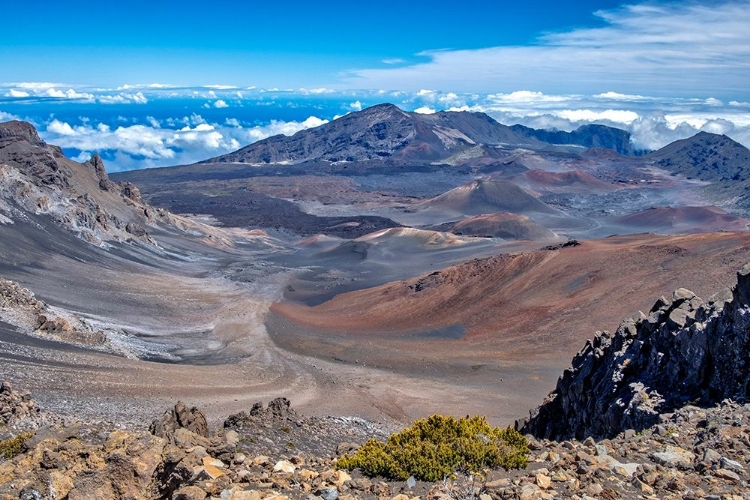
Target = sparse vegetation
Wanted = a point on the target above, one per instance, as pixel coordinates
(435, 447)
(11, 447)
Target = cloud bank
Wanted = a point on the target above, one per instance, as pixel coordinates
(150, 145)
(160, 125)
(677, 49)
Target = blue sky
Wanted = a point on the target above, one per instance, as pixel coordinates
(158, 83)
(258, 43)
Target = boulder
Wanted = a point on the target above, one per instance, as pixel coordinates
(180, 417)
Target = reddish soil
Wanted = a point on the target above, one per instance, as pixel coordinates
(502, 225)
(689, 219)
(541, 179)
(531, 305)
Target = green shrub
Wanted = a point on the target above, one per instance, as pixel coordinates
(11, 447)
(435, 447)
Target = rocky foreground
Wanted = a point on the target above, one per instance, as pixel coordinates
(658, 410)
(274, 453)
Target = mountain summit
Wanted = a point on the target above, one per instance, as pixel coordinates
(379, 132)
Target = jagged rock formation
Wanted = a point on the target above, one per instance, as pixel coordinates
(180, 417)
(37, 179)
(685, 351)
(275, 457)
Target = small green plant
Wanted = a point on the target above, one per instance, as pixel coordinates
(433, 448)
(11, 447)
(285, 429)
(290, 445)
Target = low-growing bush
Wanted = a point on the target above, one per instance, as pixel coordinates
(11, 447)
(435, 447)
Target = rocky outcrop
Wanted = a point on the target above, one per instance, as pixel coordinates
(272, 459)
(101, 173)
(20, 308)
(15, 405)
(279, 455)
(686, 350)
(37, 179)
(180, 417)
(19, 129)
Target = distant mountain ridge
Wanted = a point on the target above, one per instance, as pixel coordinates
(589, 136)
(385, 131)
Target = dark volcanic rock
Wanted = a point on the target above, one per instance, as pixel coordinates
(180, 417)
(684, 351)
(590, 136)
(101, 173)
(20, 129)
(708, 157)
(713, 158)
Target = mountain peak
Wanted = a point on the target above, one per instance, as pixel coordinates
(19, 129)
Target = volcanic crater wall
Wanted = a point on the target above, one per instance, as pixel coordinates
(685, 351)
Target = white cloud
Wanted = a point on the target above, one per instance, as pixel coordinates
(61, 128)
(123, 98)
(676, 48)
(527, 96)
(221, 104)
(142, 146)
(425, 110)
(7, 116)
(304, 91)
(616, 96)
(356, 106)
(611, 115)
(67, 94)
(145, 86)
(221, 87)
(36, 85)
(712, 101)
(279, 127)
(16, 93)
(84, 156)
(393, 61)
(232, 122)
